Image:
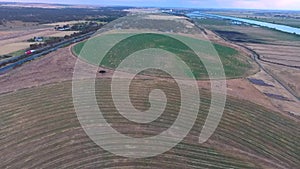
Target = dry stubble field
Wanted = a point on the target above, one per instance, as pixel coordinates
(272, 46)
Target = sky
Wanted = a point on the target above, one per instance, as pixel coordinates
(246, 4)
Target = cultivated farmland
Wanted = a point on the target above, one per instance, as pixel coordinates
(278, 55)
(40, 129)
(235, 64)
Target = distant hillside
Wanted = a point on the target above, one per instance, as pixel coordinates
(43, 5)
(13, 12)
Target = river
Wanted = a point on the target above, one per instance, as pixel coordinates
(283, 28)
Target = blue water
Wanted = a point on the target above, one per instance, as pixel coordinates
(283, 28)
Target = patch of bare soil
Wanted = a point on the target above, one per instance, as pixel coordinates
(292, 106)
(164, 17)
(22, 36)
(6, 33)
(12, 47)
(54, 67)
(242, 89)
(289, 76)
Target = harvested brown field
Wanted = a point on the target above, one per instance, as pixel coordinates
(285, 106)
(12, 47)
(21, 26)
(4, 34)
(48, 134)
(164, 17)
(171, 17)
(15, 40)
(242, 89)
(272, 46)
(26, 35)
(291, 77)
(284, 54)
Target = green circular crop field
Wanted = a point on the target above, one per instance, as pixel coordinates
(234, 63)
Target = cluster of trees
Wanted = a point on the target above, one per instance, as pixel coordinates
(85, 26)
(42, 15)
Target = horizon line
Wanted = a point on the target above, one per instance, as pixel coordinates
(169, 7)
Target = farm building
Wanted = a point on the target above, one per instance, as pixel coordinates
(38, 39)
(64, 28)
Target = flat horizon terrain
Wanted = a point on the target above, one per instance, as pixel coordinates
(158, 52)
